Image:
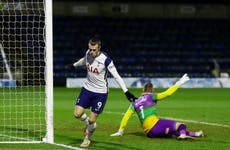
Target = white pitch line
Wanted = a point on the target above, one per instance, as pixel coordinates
(198, 122)
(14, 137)
(29, 142)
(181, 120)
(67, 146)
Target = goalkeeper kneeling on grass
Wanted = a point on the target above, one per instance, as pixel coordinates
(153, 126)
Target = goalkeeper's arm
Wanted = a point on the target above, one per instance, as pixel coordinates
(173, 88)
(124, 122)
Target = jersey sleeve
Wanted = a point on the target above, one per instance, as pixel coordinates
(80, 62)
(166, 93)
(112, 69)
(126, 117)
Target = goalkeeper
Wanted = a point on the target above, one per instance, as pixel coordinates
(153, 126)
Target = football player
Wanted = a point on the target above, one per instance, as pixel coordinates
(153, 126)
(95, 89)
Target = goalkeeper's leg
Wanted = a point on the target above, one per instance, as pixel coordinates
(182, 129)
(182, 133)
(167, 128)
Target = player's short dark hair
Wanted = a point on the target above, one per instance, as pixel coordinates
(95, 40)
(148, 87)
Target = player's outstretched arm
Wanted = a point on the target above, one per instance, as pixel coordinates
(80, 62)
(173, 88)
(124, 122)
(118, 133)
(183, 79)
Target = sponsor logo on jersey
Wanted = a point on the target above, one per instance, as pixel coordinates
(140, 101)
(92, 69)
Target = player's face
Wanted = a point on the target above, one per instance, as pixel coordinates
(94, 50)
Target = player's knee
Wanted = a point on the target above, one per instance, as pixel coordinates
(177, 125)
(92, 121)
(92, 118)
(181, 126)
(77, 115)
(78, 111)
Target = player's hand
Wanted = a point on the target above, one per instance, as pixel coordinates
(183, 79)
(118, 133)
(130, 96)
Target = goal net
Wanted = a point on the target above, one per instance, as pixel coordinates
(25, 72)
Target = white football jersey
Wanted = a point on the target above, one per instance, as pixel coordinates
(97, 70)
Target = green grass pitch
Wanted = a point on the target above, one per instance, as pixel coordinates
(210, 106)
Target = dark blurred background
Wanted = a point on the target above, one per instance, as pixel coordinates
(161, 38)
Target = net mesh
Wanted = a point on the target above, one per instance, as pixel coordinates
(22, 98)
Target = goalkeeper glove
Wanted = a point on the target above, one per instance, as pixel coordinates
(130, 96)
(118, 133)
(183, 79)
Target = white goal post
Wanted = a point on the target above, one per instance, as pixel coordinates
(26, 108)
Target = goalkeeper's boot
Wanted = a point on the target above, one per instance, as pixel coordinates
(199, 133)
(184, 137)
(86, 142)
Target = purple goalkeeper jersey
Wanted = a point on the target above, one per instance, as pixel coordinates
(144, 106)
(144, 101)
